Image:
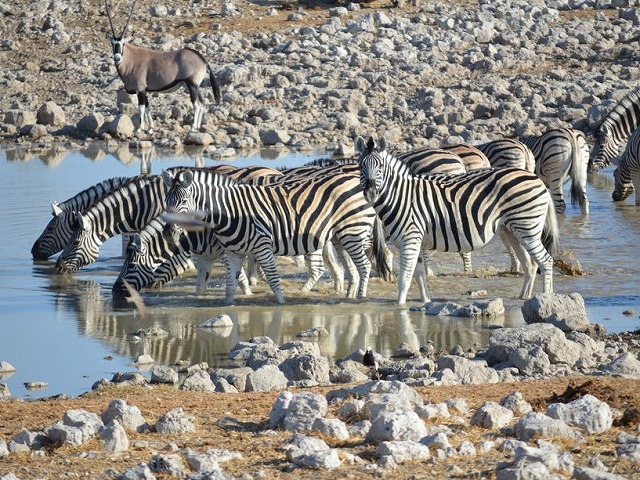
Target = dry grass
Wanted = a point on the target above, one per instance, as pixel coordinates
(238, 422)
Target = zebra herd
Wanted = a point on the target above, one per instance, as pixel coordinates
(449, 199)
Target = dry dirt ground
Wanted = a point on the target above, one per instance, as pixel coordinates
(239, 422)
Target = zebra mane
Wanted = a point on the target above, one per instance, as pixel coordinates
(121, 190)
(630, 102)
(91, 195)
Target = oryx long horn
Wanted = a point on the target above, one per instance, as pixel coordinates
(133, 6)
(113, 31)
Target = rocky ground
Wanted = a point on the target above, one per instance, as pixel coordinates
(314, 73)
(309, 74)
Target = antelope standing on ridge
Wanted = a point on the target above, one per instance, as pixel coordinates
(145, 70)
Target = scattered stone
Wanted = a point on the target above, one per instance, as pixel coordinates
(198, 381)
(128, 416)
(114, 437)
(309, 369)
(175, 421)
(171, 465)
(401, 451)
(266, 378)
(516, 403)
(76, 427)
(330, 427)
(567, 312)
(492, 415)
(35, 385)
(626, 365)
(396, 425)
(164, 374)
(4, 391)
(144, 359)
(315, 332)
(50, 114)
(587, 413)
(219, 321)
(139, 472)
(90, 124)
(536, 424)
(309, 452)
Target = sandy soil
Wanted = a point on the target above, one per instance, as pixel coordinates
(238, 422)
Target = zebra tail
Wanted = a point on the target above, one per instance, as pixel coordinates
(214, 84)
(578, 178)
(550, 232)
(379, 248)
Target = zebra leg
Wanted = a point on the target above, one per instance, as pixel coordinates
(243, 280)
(558, 198)
(409, 258)
(426, 258)
(466, 262)
(356, 251)
(267, 262)
(329, 256)
(352, 270)
(252, 270)
(515, 262)
(204, 264)
(316, 269)
(234, 264)
(420, 276)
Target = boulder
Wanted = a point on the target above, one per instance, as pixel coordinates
(50, 114)
(587, 413)
(567, 312)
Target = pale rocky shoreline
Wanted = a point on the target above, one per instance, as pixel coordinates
(422, 74)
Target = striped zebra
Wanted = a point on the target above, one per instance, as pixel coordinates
(508, 152)
(472, 157)
(128, 208)
(59, 230)
(562, 154)
(614, 131)
(295, 218)
(459, 213)
(627, 173)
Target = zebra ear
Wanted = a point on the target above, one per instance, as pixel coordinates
(360, 144)
(55, 209)
(382, 144)
(167, 177)
(136, 241)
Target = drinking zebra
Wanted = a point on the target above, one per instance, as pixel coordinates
(614, 131)
(59, 230)
(508, 152)
(295, 218)
(562, 154)
(627, 174)
(127, 208)
(459, 213)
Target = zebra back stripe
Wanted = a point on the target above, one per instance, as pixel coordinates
(509, 152)
(627, 173)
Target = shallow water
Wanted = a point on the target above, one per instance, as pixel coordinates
(63, 330)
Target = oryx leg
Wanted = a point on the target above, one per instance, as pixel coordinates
(145, 114)
(198, 106)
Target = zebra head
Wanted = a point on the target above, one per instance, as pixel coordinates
(372, 164)
(82, 249)
(180, 197)
(604, 149)
(623, 187)
(55, 236)
(136, 270)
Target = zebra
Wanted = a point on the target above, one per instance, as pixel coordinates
(59, 231)
(127, 208)
(508, 152)
(294, 218)
(562, 153)
(472, 158)
(627, 173)
(459, 213)
(614, 130)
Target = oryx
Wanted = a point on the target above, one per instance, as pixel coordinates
(145, 70)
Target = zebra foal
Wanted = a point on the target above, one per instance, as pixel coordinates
(290, 219)
(459, 213)
(627, 173)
